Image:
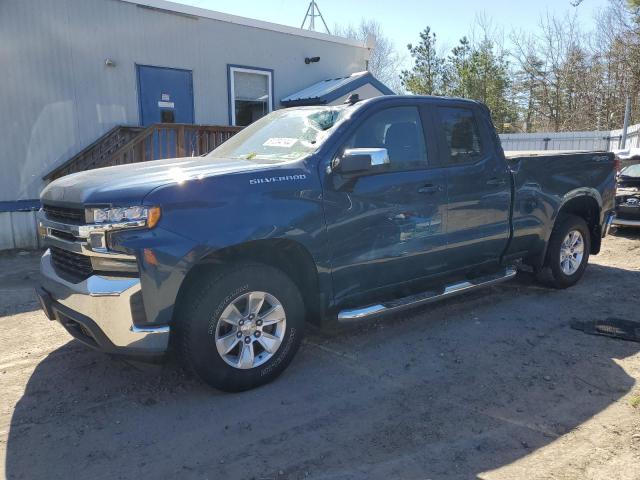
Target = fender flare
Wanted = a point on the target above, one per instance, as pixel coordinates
(582, 192)
(578, 193)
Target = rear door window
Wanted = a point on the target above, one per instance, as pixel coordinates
(462, 135)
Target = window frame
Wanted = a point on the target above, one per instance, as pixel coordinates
(231, 70)
(430, 160)
(444, 146)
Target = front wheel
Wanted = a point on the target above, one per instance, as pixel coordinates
(242, 327)
(567, 253)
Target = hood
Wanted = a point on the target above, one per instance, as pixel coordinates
(129, 184)
(629, 179)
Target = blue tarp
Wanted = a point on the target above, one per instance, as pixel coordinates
(20, 206)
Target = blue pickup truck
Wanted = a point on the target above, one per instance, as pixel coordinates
(313, 214)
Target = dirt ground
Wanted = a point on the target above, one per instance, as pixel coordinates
(491, 385)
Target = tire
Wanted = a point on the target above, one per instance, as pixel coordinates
(558, 274)
(216, 312)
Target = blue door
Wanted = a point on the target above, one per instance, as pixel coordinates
(165, 95)
(387, 226)
(478, 186)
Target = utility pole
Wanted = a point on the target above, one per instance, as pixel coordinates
(625, 125)
(313, 11)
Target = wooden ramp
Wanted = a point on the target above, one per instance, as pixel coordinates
(127, 144)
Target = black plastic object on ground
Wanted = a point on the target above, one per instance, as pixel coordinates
(611, 327)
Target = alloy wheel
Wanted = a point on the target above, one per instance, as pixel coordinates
(250, 330)
(571, 252)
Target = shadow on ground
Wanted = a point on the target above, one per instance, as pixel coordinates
(459, 388)
(19, 272)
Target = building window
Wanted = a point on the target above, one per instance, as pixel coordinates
(250, 93)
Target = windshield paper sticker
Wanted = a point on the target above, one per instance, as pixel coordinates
(280, 142)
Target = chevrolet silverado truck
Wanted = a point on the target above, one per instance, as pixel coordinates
(312, 214)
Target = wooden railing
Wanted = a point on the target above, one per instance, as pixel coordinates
(159, 141)
(96, 154)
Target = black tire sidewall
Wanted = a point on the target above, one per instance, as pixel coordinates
(567, 224)
(199, 345)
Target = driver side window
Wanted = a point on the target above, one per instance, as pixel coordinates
(399, 130)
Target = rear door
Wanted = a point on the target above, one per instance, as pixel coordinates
(478, 186)
(387, 225)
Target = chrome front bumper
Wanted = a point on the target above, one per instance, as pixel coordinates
(99, 312)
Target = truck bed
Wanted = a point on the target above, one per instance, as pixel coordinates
(546, 180)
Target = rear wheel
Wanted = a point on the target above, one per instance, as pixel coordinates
(242, 327)
(567, 253)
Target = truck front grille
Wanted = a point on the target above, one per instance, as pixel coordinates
(73, 266)
(73, 216)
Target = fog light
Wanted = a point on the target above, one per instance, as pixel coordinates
(97, 241)
(104, 264)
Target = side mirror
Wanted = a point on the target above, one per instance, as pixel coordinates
(359, 159)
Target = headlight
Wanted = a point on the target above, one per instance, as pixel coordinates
(145, 216)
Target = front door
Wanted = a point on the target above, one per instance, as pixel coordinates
(387, 225)
(165, 95)
(479, 191)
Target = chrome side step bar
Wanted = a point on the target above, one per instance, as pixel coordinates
(379, 309)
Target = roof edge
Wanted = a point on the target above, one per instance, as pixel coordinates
(338, 92)
(357, 83)
(244, 21)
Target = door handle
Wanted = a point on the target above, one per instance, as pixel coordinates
(430, 189)
(496, 181)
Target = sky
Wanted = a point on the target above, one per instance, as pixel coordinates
(402, 20)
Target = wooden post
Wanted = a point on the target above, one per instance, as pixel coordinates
(180, 146)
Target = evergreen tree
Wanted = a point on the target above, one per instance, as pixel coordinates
(477, 72)
(427, 75)
(458, 72)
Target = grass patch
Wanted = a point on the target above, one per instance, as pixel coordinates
(635, 401)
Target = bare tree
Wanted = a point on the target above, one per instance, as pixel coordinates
(619, 50)
(567, 79)
(556, 77)
(384, 59)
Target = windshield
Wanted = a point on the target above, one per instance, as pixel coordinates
(631, 171)
(282, 135)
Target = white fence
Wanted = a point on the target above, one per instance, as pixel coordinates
(594, 140)
(18, 230)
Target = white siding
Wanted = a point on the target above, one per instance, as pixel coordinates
(59, 96)
(18, 230)
(6, 231)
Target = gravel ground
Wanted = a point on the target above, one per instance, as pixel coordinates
(491, 385)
